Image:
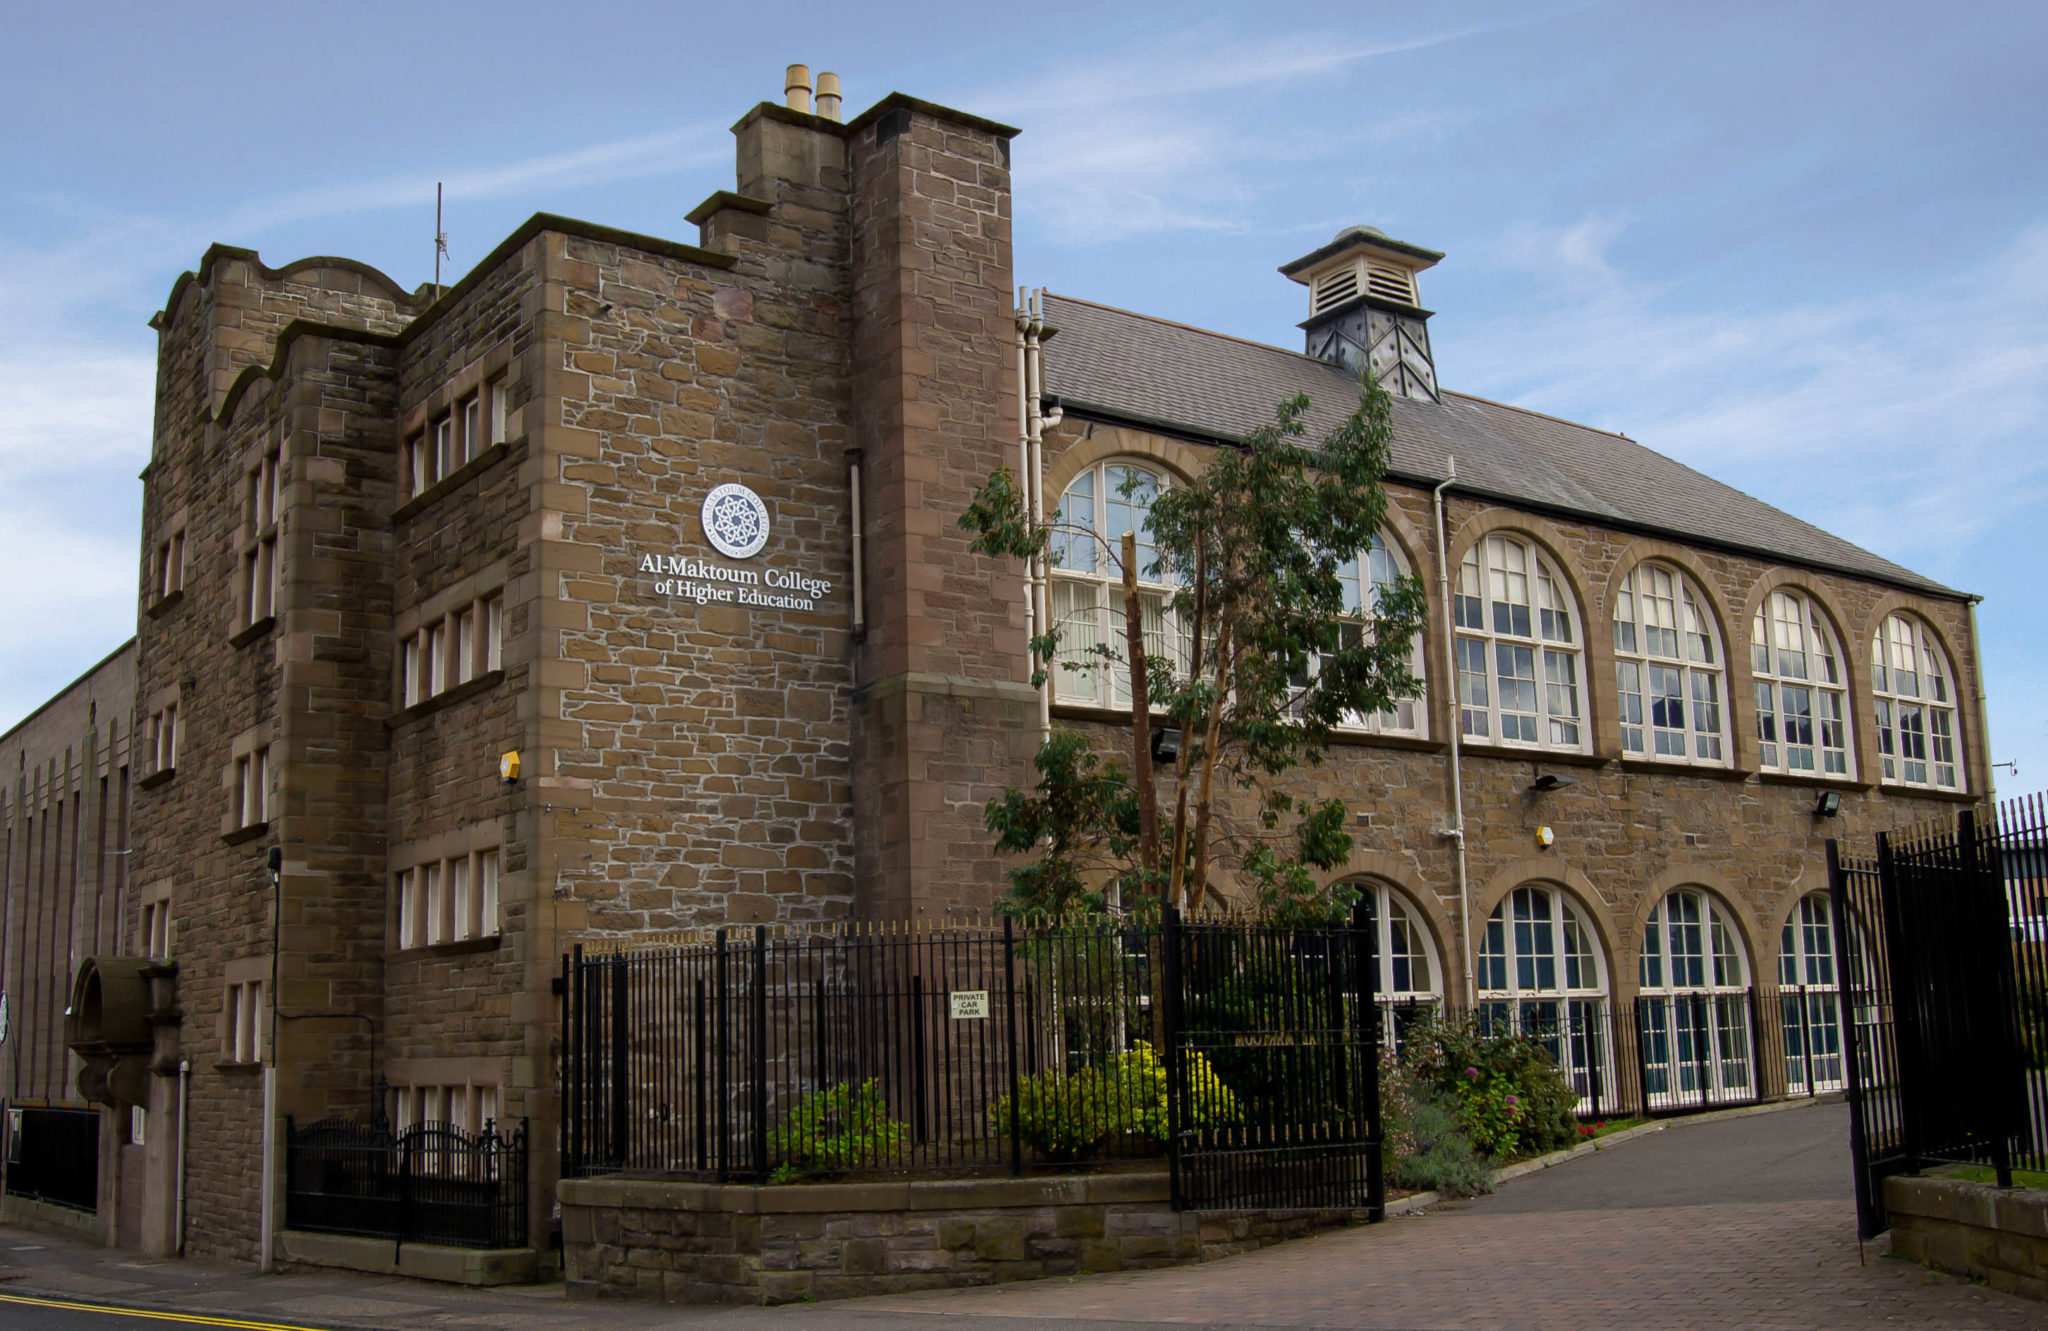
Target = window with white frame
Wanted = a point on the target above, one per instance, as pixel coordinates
(1540, 973)
(1667, 669)
(244, 1023)
(1809, 1000)
(455, 437)
(262, 494)
(1365, 577)
(1693, 1012)
(453, 648)
(1099, 506)
(163, 738)
(1915, 697)
(463, 1105)
(251, 793)
(1409, 981)
(449, 900)
(156, 928)
(1801, 713)
(1518, 649)
(170, 564)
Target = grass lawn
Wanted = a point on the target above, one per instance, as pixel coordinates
(2025, 1178)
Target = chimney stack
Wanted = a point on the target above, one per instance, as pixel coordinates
(828, 95)
(796, 88)
(1364, 310)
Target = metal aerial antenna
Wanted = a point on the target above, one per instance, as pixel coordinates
(440, 240)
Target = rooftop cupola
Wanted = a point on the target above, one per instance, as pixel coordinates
(1363, 308)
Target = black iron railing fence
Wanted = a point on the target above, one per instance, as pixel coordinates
(752, 1053)
(53, 1155)
(431, 1183)
(1943, 951)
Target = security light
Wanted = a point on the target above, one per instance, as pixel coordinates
(1829, 804)
(1166, 745)
(1551, 781)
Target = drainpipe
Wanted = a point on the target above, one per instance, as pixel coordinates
(184, 1112)
(1456, 831)
(1023, 321)
(1035, 421)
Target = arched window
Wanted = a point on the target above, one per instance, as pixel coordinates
(1365, 575)
(1540, 974)
(1667, 669)
(1693, 1014)
(1800, 725)
(1518, 649)
(1407, 977)
(1099, 506)
(1916, 705)
(1809, 1000)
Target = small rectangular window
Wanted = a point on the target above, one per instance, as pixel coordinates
(419, 465)
(444, 446)
(434, 660)
(244, 1043)
(409, 670)
(436, 903)
(494, 633)
(461, 907)
(465, 645)
(486, 893)
(469, 441)
(500, 404)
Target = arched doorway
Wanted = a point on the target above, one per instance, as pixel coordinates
(1408, 976)
(1692, 1015)
(1809, 998)
(1541, 974)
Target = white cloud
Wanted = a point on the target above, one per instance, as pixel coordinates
(1909, 422)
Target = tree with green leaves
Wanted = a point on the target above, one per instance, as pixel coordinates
(1265, 656)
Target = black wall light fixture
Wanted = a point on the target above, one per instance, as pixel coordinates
(1829, 805)
(1551, 781)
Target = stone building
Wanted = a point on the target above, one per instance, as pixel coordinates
(617, 589)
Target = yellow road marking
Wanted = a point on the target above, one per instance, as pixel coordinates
(187, 1319)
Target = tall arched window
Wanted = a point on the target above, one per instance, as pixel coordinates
(1407, 977)
(1667, 668)
(1540, 973)
(1365, 575)
(1518, 649)
(1809, 999)
(1693, 1014)
(1800, 685)
(1916, 705)
(1099, 506)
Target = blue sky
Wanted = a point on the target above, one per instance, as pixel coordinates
(1802, 247)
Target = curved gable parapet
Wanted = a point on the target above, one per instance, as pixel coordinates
(287, 341)
(367, 279)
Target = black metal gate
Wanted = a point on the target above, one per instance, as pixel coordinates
(1925, 951)
(1272, 1068)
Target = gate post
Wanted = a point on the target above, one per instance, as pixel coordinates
(1867, 1221)
(1176, 1078)
(1010, 1026)
(1365, 970)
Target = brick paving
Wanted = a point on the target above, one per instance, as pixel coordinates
(1751, 1226)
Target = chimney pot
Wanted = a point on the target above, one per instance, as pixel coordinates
(828, 95)
(796, 88)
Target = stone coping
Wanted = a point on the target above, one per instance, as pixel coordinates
(1966, 1202)
(894, 1195)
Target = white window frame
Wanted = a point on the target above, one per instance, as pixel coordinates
(1402, 947)
(1375, 567)
(1664, 634)
(1809, 984)
(449, 899)
(1584, 1049)
(1795, 660)
(1086, 595)
(163, 738)
(1693, 974)
(252, 787)
(1490, 643)
(1913, 693)
(245, 1026)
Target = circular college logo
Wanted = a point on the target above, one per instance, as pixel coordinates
(735, 521)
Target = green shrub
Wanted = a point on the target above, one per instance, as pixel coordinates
(843, 1127)
(1427, 1147)
(1068, 1116)
(1507, 1091)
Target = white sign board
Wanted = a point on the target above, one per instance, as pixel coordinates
(969, 1004)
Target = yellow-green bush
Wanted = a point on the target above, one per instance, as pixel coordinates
(1069, 1116)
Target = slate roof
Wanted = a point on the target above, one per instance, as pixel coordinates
(1117, 365)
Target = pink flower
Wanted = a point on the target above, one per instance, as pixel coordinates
(1472, 1072)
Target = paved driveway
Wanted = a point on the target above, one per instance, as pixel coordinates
(1738, 1222)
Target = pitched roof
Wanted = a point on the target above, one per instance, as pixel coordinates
(1123, 366)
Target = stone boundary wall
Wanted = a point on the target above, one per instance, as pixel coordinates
(1999, 1235)
(713, 1243)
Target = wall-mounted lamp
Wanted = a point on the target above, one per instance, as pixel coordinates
(1166, 745)
(1829, 805)
(508, 766)
(1544, 837)
(1551, 781)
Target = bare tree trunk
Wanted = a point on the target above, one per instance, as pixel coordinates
(1177, 888)
(1141, 713)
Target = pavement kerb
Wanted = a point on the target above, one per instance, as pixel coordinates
(1423, 1200)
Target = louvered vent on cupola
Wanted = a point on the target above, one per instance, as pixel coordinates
(1364, 309)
